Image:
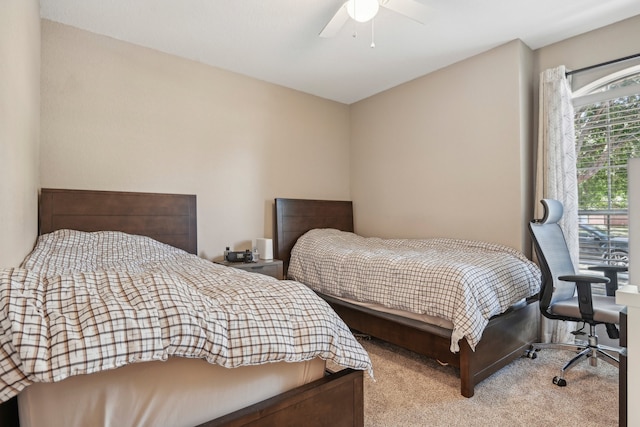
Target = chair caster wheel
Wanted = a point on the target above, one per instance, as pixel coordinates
(531, 354)
(560, 382)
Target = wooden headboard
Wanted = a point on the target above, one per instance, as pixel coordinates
(294, 217)
(168, 218)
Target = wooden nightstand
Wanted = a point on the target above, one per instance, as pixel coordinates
(271, 268)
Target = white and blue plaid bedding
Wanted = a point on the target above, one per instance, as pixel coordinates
(87, 302)
(464, 282)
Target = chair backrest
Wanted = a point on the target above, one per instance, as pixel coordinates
(553, 255)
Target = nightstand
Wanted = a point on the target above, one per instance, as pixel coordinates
(271, 268)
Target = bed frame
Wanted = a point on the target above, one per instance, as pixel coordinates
(505, 338)
(336, 399)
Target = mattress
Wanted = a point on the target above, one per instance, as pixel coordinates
(112, 329)
(83, 303)
(463, 282)
(178, 392)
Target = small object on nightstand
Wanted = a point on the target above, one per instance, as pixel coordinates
(271, 268)
(239, 256)
(265, 247)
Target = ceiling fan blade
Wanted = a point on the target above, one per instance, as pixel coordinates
(336, 23)
(410, 8)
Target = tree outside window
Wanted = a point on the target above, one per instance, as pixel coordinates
(607, 135)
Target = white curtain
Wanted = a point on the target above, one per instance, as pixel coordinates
(556, 176)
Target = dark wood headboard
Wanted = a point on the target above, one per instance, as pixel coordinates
(294, 217)
(168, 218)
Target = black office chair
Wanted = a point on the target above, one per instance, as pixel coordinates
(557, 295)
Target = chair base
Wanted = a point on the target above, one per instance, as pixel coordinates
(585, 350)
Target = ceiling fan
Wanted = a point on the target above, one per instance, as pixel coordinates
(365, 10)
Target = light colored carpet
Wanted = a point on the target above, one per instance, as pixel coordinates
(412, 390)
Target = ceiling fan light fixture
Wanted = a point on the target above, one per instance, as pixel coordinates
(362, 10)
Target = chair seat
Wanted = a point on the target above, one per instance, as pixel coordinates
(605, 309)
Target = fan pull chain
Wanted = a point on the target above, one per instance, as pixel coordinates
(373, 43)
(354, 34)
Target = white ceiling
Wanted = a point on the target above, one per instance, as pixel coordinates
(277, 40)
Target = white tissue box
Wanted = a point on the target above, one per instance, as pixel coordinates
(265, 248)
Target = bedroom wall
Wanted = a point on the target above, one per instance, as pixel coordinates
(451, 153)
(604, 44)
(116, 116)
(19, 127)
(448, 154)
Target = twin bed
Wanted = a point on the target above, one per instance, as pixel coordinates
(86, 301)
(315, 241)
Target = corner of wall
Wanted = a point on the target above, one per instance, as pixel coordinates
(19, 139)
(527, 141)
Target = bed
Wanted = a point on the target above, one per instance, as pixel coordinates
(505, 337)
(274, 387)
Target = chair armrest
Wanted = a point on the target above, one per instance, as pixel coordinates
(585, 278)
(585, 298)
(613, 268)
(610, 271)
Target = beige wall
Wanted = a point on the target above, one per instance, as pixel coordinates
(448, 154)
(452, 153)
(19, 127)
(605, 44)
(116, 116)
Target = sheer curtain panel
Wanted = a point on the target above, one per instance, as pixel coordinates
(556, 176)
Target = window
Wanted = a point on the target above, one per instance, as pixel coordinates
(607, 124)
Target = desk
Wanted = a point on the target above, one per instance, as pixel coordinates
(630, 363)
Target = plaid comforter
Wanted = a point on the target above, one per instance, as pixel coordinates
(464, 282)
(87, 302)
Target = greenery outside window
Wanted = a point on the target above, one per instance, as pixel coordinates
(607, 125)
